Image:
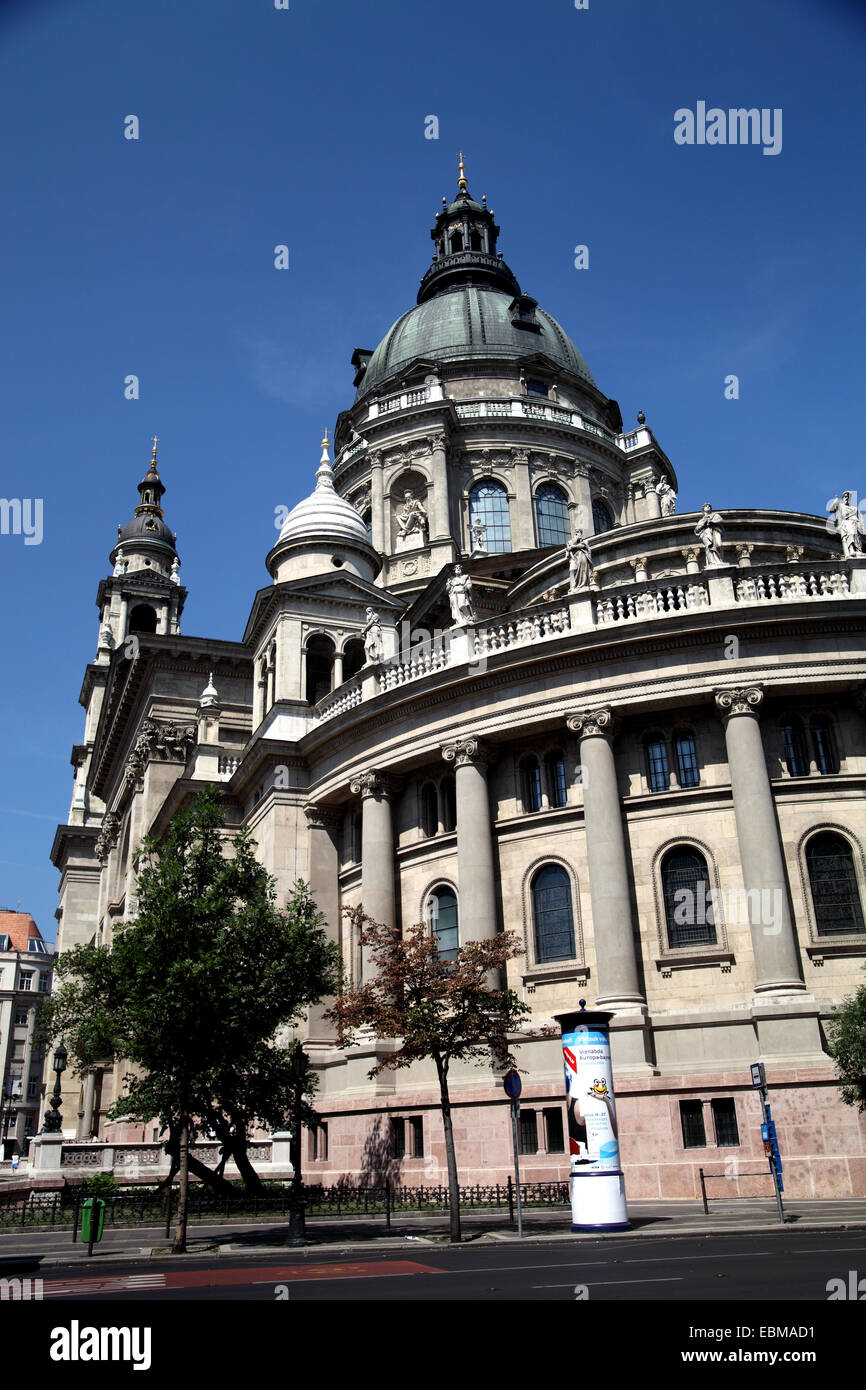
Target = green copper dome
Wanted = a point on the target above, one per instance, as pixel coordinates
(464, 322)
(469, 305)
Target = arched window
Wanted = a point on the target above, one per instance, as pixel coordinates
(557, 786)
(794, 746)
(354, 657)
(475, 240)
(657, 771)
(367, 518)
(488, 503)
(551, 516)
(601, 517)
(530, 777)
(442, 916)
(833, 880)
(142, 618)
(429, 809)
(687, 898)
(552, 914)
(823, 745)
(448, 791)
(688, 772)
(320, 665)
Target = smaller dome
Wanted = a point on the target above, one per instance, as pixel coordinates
(324, 513)
(148, 527)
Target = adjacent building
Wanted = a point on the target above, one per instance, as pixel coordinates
(26, 967)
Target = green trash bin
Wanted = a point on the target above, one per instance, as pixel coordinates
(92, 1220)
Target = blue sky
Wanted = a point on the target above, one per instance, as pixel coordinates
(306, 127)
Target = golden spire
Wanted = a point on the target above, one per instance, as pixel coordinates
(153, 459)
(462, 181)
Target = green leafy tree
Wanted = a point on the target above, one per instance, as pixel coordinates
(846, 1044)
(441, 1010)
(196, 987)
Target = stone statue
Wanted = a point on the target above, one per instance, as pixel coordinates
(411, 516)
(667, 497)
(478, 529)
(580, 571)
(105, 637)
(374, 647)
(848, 522)
(175, 566)
(709, 529)
(459, 589)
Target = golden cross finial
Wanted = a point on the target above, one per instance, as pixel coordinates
(155, 438)
(462, 181)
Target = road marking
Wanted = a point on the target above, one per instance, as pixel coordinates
(599, 1283)
(203, 1278)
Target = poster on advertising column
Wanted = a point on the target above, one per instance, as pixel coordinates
(593, 1137)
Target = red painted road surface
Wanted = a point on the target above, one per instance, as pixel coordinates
(204, 1278)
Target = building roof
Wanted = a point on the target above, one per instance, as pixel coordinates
(324, 514)
(19, 927)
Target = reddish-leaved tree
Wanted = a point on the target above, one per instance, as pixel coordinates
(438, 1009)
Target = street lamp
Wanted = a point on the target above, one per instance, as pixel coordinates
(10, 1100)
(297, 1204)
(53, 1123)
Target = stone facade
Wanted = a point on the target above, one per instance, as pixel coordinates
(688, 718)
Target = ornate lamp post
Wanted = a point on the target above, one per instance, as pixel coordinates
(10, 1101)
(297, 1204)
(53, 1120)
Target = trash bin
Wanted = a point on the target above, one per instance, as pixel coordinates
(92, 1220)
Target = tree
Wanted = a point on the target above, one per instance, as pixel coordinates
(437, 1009)
(846, 1044)
(195, 988)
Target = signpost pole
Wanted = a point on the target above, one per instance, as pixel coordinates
(768, 1134)
(515, 1111)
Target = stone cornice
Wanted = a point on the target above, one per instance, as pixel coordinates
(324, 817)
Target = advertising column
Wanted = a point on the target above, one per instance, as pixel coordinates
(597, 1183)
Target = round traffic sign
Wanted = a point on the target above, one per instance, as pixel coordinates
(513, 1085)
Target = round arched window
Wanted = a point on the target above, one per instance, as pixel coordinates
(488, 504)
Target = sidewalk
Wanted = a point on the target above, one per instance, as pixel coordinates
(656, 1220)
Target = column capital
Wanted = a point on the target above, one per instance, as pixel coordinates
(375, 783)
(324, 817)
(437, 441)
(375, 459)
(741, 699)
(593, 723)
(465, 751)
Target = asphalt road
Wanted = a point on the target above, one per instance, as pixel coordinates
(786, 1266)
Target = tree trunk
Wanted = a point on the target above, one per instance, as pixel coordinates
(208, 1176)
(252, 1181)
(453, 1181)
(179, 1247)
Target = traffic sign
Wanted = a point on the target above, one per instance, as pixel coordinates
(758, 1074)
(512, 1083)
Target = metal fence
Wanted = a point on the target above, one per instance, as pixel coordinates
(46, 1209)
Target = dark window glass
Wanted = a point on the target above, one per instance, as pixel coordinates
(429, 809)
(417, 1127)
(601, 517)
(825, 751)
(142, 618)
(692, 1119)
(398, 1137)
(354, 658)
(557, 787)
(833, 879)
(320, 668)
(443, 922)
(657, 765)
(357, 836)
(687, 761)
(368, 523)
(795, 751)
(725, 1120)
(551, 515)
(554, 921)
(449, 804)
(553, 1131)
(527, 1132)
(536, 388)
(531, 784)
(488, 503)
(688, 905)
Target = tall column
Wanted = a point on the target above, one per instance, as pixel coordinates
(85, 1127)
(477, 915)
(441, 520)
(653, 503)
(583, 495)
(613, 929)
(378, 894)
(777, 965)
(324, 826)
(523, 531)
(377, 504)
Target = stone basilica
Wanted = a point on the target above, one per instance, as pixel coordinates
(497, 681)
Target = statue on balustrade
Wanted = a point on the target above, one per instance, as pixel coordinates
(580, 571)
(374, 646)
(848, 522)
(667, 497)
(709, 530)
(459, 590)
(411, 516)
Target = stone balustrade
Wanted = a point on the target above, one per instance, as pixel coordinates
(345, 697)
(796, 581)
(133, 1160)
(651, 600)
